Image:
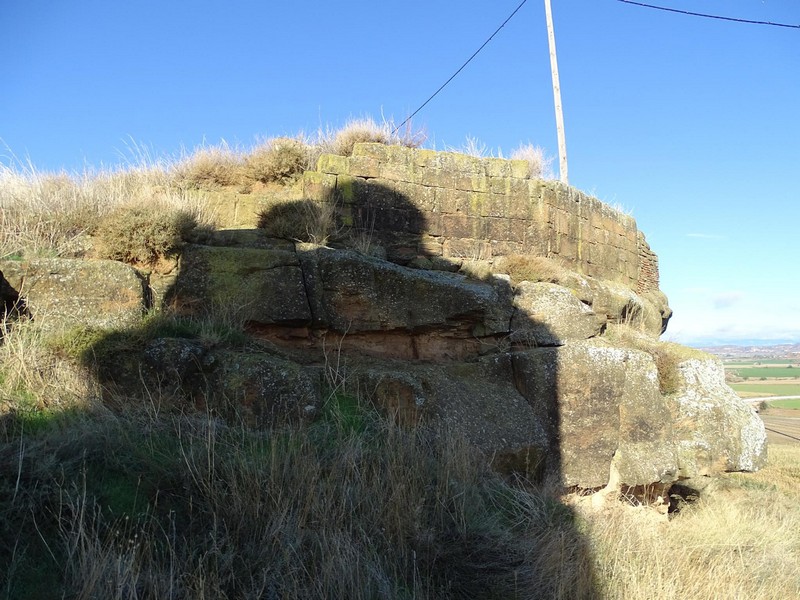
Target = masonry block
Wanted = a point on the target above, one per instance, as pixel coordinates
(463, 226)
(318, 186)
(520, 169)
(365, 166)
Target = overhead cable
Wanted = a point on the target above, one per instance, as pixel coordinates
(461, 68)
(696, 14)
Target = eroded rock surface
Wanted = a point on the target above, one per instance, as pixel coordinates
(523, 372)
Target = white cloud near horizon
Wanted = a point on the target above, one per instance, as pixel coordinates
(727, 299)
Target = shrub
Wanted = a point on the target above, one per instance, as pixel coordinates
(144, 234)
(358, 131)
(540, 166)
(277, 160)
(209, 168)
(366, 130)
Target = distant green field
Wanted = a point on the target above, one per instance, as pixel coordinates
(768, 372)
(794, 403)
(760, 361)
(769, 389)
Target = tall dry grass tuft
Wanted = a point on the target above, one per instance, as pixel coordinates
(44, 214)
(539, 164)
(209, 168)
(277, 160)
(363, 130)
(352, 507)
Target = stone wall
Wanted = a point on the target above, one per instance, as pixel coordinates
(423, 202)
(648, 267)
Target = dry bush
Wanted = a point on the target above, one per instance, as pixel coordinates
(144, 234)
(209, 168)
(303, 220)
(539, 164)
(358, 131)
(480, 270)
(45, 214)
(365, 130)
(472, 147)
(523, 267)
(277, 160)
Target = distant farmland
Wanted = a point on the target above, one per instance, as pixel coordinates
(788, 372)
(767, 388)
(760, 362)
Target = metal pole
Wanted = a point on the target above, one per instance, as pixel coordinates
(562, 141)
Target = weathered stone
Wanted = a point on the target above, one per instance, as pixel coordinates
(64, 292)
(550, 315)
(714, 428)
(475, 400)
(318, 186)
(251, 285)
(333, 164)
(350, 293)
(600, 402)
(262, 390)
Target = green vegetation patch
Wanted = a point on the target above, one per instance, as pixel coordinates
(793, 403)
(771, 389)
(759, 362)
(769, 372)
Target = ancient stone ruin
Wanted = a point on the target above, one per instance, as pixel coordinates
(537, 374)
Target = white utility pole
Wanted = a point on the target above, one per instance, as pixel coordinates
(562, 141)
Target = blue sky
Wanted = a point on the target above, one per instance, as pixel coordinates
(690, 124)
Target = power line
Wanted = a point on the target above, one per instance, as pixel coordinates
(695, 14)
(461, 68)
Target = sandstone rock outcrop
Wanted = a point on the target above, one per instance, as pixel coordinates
(523, 370)
(60, 292)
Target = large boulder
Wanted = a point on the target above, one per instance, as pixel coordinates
(256, 285)
(477, 400)
(64, 292)
(602, 406)
(262, 389)
(550, 315)
(350, 292)
(715, 430)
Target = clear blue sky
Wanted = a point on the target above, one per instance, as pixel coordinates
(691, 124)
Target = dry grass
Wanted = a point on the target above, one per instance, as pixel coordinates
(277, 160)
(44, 214)
(209, 168)
(472, 147)
(530, 268)
(353, 507)
(742, 541)
(540, 165)
(364, 130)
